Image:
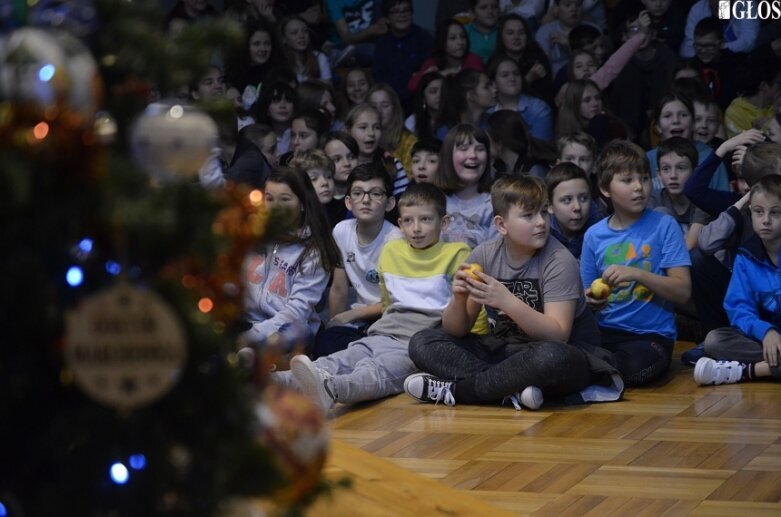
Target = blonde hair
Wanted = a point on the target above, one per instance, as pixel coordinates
(392, 131)
(312, 159)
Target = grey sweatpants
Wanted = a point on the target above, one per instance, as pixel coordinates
(730, 344)
(370, 368)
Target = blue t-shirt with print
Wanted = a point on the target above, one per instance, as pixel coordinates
(357, 14)
(653, 243)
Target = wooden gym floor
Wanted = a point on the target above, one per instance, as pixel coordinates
(670, 449)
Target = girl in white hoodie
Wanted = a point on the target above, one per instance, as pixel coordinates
(285, 276)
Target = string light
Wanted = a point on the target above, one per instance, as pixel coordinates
(137, 461)
(74, 276)
(113, 268)
(119, 473)
(46, 73)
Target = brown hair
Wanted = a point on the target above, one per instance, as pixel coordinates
(528, 192)
(420, 194)
(620, 156)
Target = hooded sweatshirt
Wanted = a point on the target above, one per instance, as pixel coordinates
(281, 291)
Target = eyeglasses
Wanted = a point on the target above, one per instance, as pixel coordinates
(397, 12)
(375, 195)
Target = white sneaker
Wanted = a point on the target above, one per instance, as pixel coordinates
(315, 382)
(531, 397)
(710, 371)
(427, 388)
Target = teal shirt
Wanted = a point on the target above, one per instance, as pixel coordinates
(481, 44)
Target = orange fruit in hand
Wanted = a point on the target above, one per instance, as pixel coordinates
(472, 271)
(599, 289)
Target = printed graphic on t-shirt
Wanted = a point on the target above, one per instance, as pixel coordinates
(525, 289)
(372, 276)
(359, 17)
(625, 254)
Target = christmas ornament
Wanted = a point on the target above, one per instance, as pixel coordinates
(105, 127)
(125, 346)
(293, 430)
(50, 72)
(172, 141)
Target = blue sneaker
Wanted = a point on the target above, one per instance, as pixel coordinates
(691, 357)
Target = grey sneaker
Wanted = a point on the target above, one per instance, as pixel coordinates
(315, 382)
(427, 388)
(710, 371)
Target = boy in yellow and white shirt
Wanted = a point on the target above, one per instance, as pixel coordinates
(415, 281)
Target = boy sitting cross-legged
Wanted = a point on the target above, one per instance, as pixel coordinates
(751, 347)
(360, 241)
(642, 256)
(542, 333)
(415, 276)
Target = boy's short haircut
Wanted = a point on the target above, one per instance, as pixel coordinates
(420, 194)
(762, 159)
(527, 192)
(430, 145)
(621, 156)
(387, 5)
(770, 184)
(312, 159)
(582, 36)
(680, 146)
(564, 171)
(370, 171)
(709, 25)
(580, 137)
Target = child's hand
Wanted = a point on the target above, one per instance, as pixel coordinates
(559, 38)
(595, 304)
(488, 291)
(615, 275)
(341, 319)
(771, 347)
(644, 22)
(537, 71)
(744, 138)
(460, 286)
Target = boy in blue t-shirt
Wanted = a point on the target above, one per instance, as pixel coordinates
(751, 346)
(642, 256)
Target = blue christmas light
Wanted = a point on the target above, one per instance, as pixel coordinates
(118, 473)
(46, 73)
(74, 276)
(3, 511)
(85, 245)
(138, 461)
(113, 268)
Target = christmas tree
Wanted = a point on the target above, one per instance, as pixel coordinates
(120, 389)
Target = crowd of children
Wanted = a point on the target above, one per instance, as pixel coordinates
(514, 204)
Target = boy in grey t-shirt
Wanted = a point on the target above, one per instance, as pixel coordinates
(543, 340)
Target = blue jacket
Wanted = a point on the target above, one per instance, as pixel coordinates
(753, 299)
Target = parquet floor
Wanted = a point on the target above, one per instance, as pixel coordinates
(670, 449)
